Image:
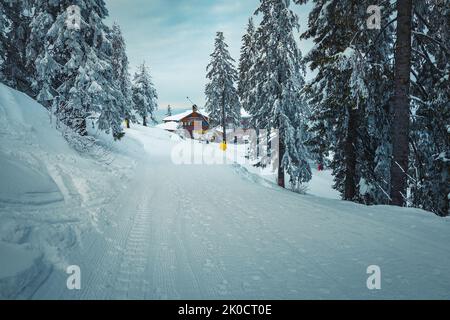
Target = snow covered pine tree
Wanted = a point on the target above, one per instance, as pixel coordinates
(429, 173)
(246, 61)
(349, 97)
(74, 70)
(222, 101)
(120, 66)
(3, 39)
(144, 94)
(277, 78)
(14, 36)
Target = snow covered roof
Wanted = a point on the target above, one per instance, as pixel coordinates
(169, 126)
(245, 114)
(180, 116)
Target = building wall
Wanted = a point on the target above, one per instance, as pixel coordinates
(189, 122)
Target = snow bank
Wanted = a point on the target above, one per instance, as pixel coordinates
(26, 185)
(253, 177)
(50, 194)
(21, 271)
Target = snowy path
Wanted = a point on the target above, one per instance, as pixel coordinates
(196, 232)
(140, 226)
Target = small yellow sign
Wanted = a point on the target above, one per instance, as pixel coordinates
(223, 146)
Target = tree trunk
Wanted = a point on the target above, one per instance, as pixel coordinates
(350, 155)
(401, 104)
(144, 123)
(257, 143)
(281, 151)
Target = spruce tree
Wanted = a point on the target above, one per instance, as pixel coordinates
(74, 70)
(3, 39)
(14, 36)
(38, 54)
(144, 95)
(429, 174)
(277, 78)
(384, 164)
(222, 101)
(331, 28)
(246, 62)
(120, 66)
(349, 98)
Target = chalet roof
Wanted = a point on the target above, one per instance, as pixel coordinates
(178, 117)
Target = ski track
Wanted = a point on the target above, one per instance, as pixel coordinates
(204, 232)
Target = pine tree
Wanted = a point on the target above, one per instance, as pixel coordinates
(349, 98)
(383, 132)
(372, 80)
(246, 61)
(74, 71)
(120, 67)
(277, 78)
(169, 111)
(144, 94)
(15, 18)
(245, 88)
(222, 101)
(3, 39)
(331, 28)
(37, 54)
(429, 175)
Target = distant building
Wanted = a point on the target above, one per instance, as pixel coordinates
(186, 120)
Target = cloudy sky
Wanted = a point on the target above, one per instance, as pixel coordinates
(176, 37)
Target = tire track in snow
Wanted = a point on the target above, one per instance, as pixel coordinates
(132, 280)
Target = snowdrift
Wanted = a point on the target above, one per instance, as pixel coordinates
(21, 271)
(49, 193)
(26, 185)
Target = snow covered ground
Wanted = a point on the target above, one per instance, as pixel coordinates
(141, 225)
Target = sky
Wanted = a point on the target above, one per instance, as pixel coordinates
(176, 37)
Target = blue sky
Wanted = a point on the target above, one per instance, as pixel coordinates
(176, 37)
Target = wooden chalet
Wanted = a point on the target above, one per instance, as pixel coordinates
(189, 119)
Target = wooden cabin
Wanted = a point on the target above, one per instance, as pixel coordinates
(188, 119)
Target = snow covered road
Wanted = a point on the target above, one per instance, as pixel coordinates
(198, 231)
(140, 226)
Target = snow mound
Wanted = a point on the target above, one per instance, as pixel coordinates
(50, 192)
(252, 177)
(26, 185)
(21, 270)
